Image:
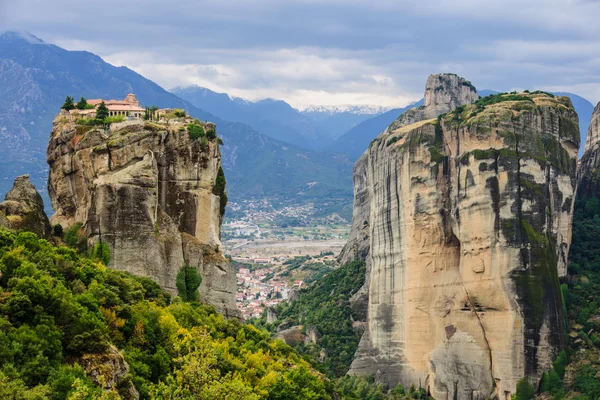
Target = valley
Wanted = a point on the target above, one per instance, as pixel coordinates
(278, 250)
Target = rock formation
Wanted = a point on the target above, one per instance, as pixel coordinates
(150, 192)
(589, 167)
(464, 219)
(110, 371)
(23, 209)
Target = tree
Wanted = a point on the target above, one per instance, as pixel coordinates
(195, 131)
(102, 111)
(179, 113)
(153, 110)
(525, 390)
(82, 104)
(188, 281)
(69, 104)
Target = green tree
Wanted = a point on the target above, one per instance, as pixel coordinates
(15, 389)
(188, 281)
(102, 111)
(152, 110)
(69, 104)
(525, 390)
(179, 113)
(101, 252)
(82, 104)
(57, 230)
(195, 131)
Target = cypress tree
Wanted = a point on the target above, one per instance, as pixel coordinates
(102, 111)
(82, 103)
(69, 104)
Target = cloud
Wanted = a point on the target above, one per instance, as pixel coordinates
(332, 51)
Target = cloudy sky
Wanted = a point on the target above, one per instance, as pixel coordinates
(330, 51)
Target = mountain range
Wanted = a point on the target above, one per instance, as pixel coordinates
(313, 128)
(36, 77)
(271, 149)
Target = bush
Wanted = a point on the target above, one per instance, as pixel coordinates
(211, 134)
(179, 113)
(188, 281)
(195, 131)
(75, 238)
(89, 121)
(114, 119)
(101, 252)
(57, 230)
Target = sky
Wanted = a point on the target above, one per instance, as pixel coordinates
(330, 52)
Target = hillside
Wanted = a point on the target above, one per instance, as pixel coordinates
(86, 328)
(325, 307)
(36, 77)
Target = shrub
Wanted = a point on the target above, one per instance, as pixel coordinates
(195, 131)
(211, 134)
(57, 230)
(76, 238)
(101, 252)
(188, 281)
(179, 113)
(114, 119)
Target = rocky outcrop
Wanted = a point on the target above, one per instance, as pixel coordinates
(111, 372)
(469, 219)
(292, 336)
(23, 209)
(154, 195)
(443, 93)
(589, 167)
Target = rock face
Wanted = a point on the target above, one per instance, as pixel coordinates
(150, 192)
(110, 371)
(23, 209)
(467, 218)
(589, 167)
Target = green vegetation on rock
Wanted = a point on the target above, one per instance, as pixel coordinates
(188, 281)
(195, 131)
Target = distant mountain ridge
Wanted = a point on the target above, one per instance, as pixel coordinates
(312, 128)
(342, 108)
(36, 77)
(354, 142)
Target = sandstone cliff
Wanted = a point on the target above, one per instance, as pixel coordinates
(589, 167)
(150, 192)
(468, 222)
(23, 209)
